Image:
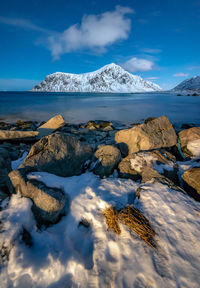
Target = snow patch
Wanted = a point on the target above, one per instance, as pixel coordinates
(69, 253)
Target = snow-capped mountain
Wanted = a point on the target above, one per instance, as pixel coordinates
(109, 78)
(192, 84)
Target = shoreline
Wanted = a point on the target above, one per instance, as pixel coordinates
(95, 195)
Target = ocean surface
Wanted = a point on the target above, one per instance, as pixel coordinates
(81, 107)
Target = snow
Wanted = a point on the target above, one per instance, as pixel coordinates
(109, 78)
(142, 159)
(16, 163)
(71, 254)
(192, 84)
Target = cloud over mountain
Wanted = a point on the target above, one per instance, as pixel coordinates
(95, 32)
(138, 64)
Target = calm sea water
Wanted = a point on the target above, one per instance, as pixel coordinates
(81, 107)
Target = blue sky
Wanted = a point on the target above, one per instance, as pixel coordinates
(158, 40)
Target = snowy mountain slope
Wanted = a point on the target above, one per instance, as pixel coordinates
(189, 84)
(109, 78)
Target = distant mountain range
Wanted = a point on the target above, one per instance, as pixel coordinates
(109, 78)
(192, 84)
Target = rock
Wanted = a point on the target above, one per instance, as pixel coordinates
(108, 128)
(149, 173)
(107, 158)
(49, 203)
(51, 125)
(59, 154)
(4, 126)
(5, 168)
(156, 133)
(125, 169)
(132, 166)
(17, 135)
(98, 124)
(3, 195)
(25, 125)
(191, 182)
(187, 138)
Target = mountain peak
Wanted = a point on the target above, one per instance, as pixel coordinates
(191, 84)
(109, 78)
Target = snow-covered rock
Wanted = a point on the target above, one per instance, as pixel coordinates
(109, 78)
(192, 84)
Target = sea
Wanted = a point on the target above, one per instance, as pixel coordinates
(82, 107)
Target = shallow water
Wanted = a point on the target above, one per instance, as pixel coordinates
(81, 107)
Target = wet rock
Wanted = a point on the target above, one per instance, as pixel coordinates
(5, 168)
(49, 203)
(156, 133)
(106, 160)
(5, 126)
(191, 182)
(59, 154)
(3, 195)
(51, 125)
(187, 138)
(25, 125)
(98, 124)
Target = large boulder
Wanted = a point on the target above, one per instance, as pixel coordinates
(17, 135)
(59, 154)
(191, 182)
(190, 141)
(106, 160)
(133, 165)
(51, 125)
(48, 203)
(156, 133)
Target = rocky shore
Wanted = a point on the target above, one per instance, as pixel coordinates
(152, 152)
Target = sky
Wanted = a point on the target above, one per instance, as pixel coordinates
(158, 40)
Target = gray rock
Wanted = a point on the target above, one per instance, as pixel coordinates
(188, 136)
(132, 166)
(5, 168)
(17, 135)
(51, 125)
(191, 182)
(156, 133)
(48, 203)
(125, 169)
(107, 158)
(58, 154)
(99, 124)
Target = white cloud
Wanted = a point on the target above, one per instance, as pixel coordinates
(181, 74)
(152, 78)
(138, 64)
(151, 50)
(95, 32)
(194, 67)
(22, 23)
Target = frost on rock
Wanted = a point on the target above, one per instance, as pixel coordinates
(109, 78)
